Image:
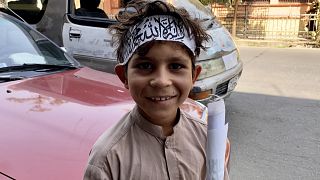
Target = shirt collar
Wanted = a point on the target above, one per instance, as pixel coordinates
(147, 126)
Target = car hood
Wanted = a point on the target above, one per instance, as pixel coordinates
(49, 123)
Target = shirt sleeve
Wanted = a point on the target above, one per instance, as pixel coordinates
(95, 173)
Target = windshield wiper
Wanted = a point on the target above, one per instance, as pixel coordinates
(38, 67)
(7, 176)
(9, 78)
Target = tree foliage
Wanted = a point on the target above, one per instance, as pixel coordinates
(318, 23)
(233, 3)
(314, 23)
(208, 2)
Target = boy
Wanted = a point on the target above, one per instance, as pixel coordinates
(157, 47)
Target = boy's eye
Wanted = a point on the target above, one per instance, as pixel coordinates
(175, 66)
(144, 65)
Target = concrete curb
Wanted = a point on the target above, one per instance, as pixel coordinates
(275, 43)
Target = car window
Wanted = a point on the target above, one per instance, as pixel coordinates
(112, 8)
(92, 13)
(95, 8)
(22, 45)
(30, 10)
(90, 8)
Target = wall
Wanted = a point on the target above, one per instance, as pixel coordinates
(266, 21)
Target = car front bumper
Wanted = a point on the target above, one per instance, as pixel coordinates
(220, 85)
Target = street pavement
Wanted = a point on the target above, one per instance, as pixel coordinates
(274, 115)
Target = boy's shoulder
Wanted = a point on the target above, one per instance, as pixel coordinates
(112, 136)
(196, 124)
(193, 119)
(192, 129)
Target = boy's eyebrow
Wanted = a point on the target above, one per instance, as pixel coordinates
(180, 59)
(144, 58)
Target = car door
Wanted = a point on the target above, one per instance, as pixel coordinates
(87, 37)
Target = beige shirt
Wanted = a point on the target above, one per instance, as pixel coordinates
(135, 149)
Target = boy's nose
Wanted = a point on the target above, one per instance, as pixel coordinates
(161, 78)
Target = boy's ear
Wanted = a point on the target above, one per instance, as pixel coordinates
(196, 72)
(120, 70)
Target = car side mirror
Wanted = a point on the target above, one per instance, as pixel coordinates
(64, 49)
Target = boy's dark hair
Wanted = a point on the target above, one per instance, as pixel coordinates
(146, 9)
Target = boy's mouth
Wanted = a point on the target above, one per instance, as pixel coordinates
(161, 98)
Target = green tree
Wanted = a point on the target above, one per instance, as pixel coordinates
(313, 26)
(234, 23)
(318, 23)
(209, 2)
(206, 2)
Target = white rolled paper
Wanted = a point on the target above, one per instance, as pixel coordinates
(216, 143)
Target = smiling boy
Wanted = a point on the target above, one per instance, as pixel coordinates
(159, 82)
(157, 47)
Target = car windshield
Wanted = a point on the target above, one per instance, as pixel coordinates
(20, 45)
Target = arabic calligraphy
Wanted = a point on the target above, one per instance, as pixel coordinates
(154, 27)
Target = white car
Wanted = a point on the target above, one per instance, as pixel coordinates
(88, 39)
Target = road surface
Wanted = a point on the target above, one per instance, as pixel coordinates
(274, 115)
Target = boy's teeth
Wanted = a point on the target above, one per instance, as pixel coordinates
(160, 98)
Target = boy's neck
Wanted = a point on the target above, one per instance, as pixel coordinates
(167, 129)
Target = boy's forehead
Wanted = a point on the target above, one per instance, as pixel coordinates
(177, 46)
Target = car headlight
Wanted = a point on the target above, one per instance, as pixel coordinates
(211, 67)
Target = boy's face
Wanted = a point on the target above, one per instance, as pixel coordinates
(160, 81)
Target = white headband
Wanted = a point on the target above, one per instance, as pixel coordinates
(159, 27)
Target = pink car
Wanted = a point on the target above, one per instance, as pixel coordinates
(53, 109)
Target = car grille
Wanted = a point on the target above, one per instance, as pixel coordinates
(222, 89)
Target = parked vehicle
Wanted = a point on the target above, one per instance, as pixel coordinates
(88, 39)
(52, 108)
